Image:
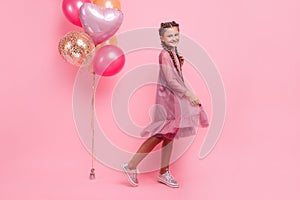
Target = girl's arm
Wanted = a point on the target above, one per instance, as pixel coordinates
(166, 65)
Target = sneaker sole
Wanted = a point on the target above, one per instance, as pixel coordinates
(128, 177)
(166, 183)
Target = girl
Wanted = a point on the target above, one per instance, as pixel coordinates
(178, 112)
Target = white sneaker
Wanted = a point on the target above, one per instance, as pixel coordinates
(167, 179)
(131, 174)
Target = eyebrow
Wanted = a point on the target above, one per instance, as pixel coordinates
(172, 34)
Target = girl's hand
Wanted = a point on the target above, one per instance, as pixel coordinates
(192, 98)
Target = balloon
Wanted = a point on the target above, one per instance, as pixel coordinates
(108, 4)
(109, 60)
(71, 10)
(112, 41)
(100, 23)
(77, 48)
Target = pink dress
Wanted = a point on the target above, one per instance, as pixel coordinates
(174, 116)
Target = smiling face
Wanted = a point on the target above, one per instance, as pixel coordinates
(171, 37)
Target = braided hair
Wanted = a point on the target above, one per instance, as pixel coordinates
(162, 30)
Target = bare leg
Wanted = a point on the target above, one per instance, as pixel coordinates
(166, 154)
(143, 151)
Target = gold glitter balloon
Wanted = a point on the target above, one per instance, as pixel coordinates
(77, 48)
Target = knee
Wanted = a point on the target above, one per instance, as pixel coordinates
(168, 141)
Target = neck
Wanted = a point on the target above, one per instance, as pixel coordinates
(171, 48)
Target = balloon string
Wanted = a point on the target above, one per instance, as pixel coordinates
(92, 118)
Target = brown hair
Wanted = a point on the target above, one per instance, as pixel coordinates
(165, 25)
(162, 30)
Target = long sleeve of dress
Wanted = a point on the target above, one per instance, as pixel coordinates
(172, 81)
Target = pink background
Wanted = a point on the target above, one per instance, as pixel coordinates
(255, 45)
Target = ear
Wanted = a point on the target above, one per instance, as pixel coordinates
(161, 38)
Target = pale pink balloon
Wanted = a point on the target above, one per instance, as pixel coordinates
(100, 23)
(109, 60)
(71, 10)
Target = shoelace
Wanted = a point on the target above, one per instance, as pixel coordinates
(170, 177)
(134, 173)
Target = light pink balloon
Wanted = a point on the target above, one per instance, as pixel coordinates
(71, 10)
(109, 60)
(100, 23)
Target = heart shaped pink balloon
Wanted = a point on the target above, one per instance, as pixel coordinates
(100, 23)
